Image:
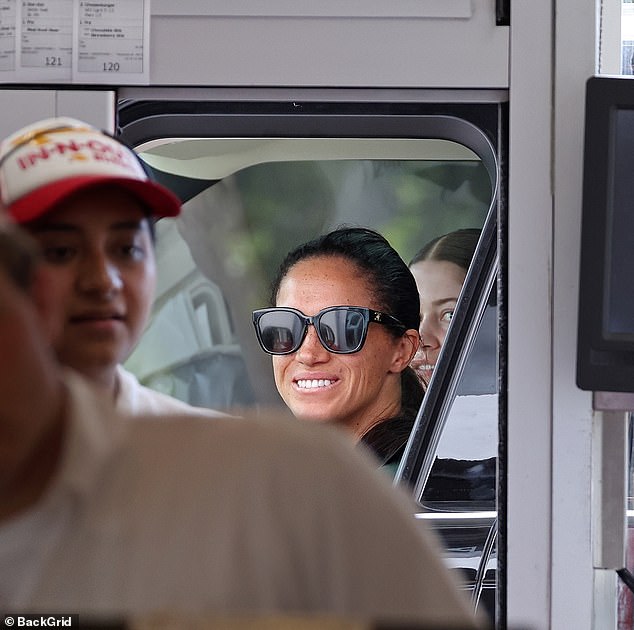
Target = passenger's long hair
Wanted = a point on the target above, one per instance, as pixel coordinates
(456, 247)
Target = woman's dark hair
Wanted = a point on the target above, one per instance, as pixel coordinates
(388, 438)
(456, 247)
(395, 291)
(384, 271)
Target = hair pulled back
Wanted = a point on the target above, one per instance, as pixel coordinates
(383, 270)
(455, 247)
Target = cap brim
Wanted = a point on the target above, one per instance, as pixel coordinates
(160, 201)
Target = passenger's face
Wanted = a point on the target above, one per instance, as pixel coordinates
(99, 257)
(350, 390)
(439, 284)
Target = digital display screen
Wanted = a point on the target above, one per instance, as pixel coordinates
(618, 319)
(605, 334)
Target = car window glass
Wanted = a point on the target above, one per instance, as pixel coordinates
(456, 485)
(222, 253)
(217, 260)
(463, 475)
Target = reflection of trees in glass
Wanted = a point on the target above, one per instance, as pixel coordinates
(284, 204)
(435, 198)
(239, 229)
(410, 202)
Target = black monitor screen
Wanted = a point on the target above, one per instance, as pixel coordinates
(618, 322)
(605, 342)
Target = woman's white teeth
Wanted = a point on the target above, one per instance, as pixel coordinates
(312, 383)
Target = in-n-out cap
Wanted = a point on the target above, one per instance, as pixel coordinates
(44, 163)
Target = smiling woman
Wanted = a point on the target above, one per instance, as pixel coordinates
(331, 363)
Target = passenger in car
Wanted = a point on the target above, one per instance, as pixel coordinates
(87, 200)
(439, 268)
(115, 518)
(342, 332)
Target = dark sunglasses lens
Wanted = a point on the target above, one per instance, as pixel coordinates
(280, 331)
(342, 330)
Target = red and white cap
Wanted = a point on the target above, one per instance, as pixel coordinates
(45, 163)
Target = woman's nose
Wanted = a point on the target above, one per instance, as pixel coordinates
(311, 350)
(429, 335)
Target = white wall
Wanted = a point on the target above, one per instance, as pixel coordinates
(550, 577)
(432, 43)
(551, 580)
(530, 225)
(573, 577)
(22, 107)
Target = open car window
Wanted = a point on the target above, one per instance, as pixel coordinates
(255, 187)
(218, 259)
(451, 462)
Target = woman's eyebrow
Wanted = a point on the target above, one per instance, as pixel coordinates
(441, 301)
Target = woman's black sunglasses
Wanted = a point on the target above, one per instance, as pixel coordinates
(341, 329)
